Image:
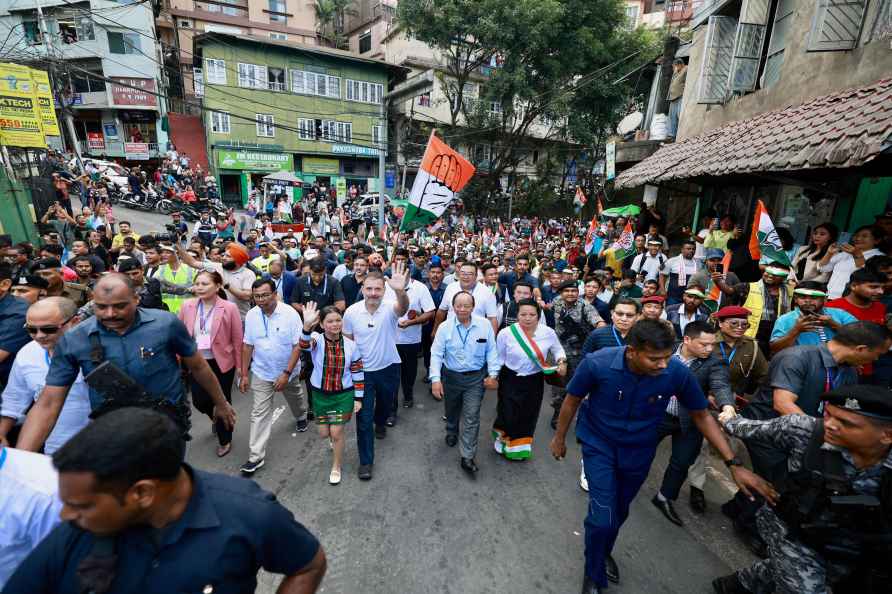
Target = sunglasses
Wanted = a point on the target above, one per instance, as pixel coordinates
(734, 324)
(45, 329)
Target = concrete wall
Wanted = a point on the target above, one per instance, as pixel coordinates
(804, 75)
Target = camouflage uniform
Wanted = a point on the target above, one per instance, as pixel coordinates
(585, 315)
(792, 567)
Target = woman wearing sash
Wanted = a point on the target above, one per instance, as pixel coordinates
(524, 349)
(216, 326)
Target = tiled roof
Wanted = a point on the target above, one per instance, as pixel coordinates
(845, 129)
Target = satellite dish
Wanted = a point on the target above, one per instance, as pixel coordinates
(630, 123)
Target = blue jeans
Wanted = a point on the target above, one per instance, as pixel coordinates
(674, 113)
(685, 449)
(377, 403)
(615, 475)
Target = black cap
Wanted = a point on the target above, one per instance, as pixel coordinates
(31, 280)
(568, 284)
(46, 264)
(128, 264)
(871, 401)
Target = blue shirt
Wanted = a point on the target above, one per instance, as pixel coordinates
(464, 349)
(146, 352)
(626, 408)
(509, 278)
(230, 529)
(12, 332)
(784, 325)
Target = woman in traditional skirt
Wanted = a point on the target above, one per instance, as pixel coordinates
(337, 379)
(524, 348)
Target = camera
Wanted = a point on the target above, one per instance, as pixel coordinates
(172, 229)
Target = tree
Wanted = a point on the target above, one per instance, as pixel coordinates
(330, 16)
(539, 57)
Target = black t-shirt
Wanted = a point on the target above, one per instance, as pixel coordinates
(325, 293)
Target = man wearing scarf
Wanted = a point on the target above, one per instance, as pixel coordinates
(810, 322)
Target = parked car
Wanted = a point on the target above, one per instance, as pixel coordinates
(366, 202)
(114, 173)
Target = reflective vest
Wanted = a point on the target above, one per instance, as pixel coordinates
(756, 304)
(182, 278)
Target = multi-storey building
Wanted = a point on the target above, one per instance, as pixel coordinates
(106, 68)
(278, 106)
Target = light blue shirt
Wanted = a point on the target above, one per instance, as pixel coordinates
(464, 349)
(29, 506)
(784, 325)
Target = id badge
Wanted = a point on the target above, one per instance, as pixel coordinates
(204, 342)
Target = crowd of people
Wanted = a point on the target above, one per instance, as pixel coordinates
(689, 339)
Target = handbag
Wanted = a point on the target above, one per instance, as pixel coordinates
(528, 345)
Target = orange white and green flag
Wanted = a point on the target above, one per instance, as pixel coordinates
(443, 173)
(764, 240)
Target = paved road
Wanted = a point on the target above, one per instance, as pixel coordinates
(421, 525)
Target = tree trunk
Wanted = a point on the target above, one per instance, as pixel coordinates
(669, 49)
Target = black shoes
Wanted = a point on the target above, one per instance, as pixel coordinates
(611, 569)
(310, 415)
(698, 500)
(391, 421)
(249, 468)
(301, 425)
(729, 585)
(380, 431)
(469, 466)
(667, 509)
(451, 440)
(408, 403)
(589, 587)
(365, 472)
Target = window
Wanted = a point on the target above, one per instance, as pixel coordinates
(882, 25)
(123, 43)
(198, 82)
(276, 79)
(216, 71)
(251, 76)
(365, 42)
(632, 16)
(836, 25)
(276, 7)
(364, 92)
(748, 42)
(783, 20)
(424, 99)
(344, 132)
(33, 36)
(74, 29)
(306, 129)
(265, 125)
(81, 82)
(219, 122)
(234, 11)
(717, 55)
(378, 135)
(185, 24)
(209, 7)
(278, 36)
(312, 83)
(468, 95)
(495, 108)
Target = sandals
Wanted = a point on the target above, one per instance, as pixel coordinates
(224, 449)
(335, 477)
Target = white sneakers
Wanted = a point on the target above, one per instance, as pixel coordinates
(583, 482)
(335, 477)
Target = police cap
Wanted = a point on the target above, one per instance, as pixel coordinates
(31, 280)
(568, 284)
(870, 401)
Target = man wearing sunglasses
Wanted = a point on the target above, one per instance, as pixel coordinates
(46, 322)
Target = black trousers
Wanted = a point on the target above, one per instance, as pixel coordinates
(408, 370)
(205, 404)
(426, 342)
(685, 449)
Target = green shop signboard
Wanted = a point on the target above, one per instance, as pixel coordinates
(254, 161)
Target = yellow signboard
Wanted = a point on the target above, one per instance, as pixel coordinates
(20, 121)
(46, 107)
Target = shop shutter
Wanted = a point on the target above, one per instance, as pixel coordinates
(718, 53)
(836, 25)
(748, 42)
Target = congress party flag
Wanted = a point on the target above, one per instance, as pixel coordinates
(625, 244)
(442, 174)
(580, 199)
(764, 240)
(591, 235)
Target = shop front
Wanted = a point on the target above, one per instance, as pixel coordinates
(241, 170)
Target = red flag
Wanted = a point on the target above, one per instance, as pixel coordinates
(600, 206)
(580, 196)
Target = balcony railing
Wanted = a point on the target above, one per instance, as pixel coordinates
(113, 149)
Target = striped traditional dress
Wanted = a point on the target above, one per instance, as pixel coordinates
(337, 378)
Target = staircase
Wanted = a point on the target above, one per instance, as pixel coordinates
(187, 133)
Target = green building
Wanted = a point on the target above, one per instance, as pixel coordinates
(276, 106)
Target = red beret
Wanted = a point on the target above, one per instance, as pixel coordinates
(653, 299)
(732, 311)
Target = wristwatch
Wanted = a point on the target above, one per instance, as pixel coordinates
(735, 461)
(290, 371)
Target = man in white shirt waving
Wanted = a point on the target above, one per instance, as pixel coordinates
(372, 323)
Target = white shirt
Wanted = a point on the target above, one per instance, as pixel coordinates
(699, 250)
(340, 271)
(273, 339)
(842, 265)
(241, 279)
(513, 356)
(485, 304)
(678, 264)
(29, 506)
(375, 333)
(26, 381)
(651, 265)
(420, 301)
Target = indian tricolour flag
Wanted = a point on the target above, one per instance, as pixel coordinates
(625, 243)
(591, 235)
(442, 174)
(764, 240)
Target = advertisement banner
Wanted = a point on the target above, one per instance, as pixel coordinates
(254, 161)
(341, 187)
(95, 142)
(321, 165)
(45, 103)
(611, 160)
(138, 151)
(128, 95)
(20, 121)
(110, 129)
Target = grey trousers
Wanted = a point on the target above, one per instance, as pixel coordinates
(463, 395)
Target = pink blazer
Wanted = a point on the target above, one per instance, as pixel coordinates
(226, 331)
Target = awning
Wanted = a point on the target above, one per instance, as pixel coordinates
(845, 129)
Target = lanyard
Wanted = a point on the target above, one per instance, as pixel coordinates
(265, 324)
(203, 320)
(279, 283)
(3, 457)
(619, 340)
(46, 354)
(829, 380)
(464, 339)
(730, 357)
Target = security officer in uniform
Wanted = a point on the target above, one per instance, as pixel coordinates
(832, 523)
(628, 389)
(574, 319)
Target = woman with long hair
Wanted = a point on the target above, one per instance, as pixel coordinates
(336, 382)
(524, 348)
(807, 258)
(216, 326)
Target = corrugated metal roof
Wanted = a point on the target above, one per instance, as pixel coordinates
(845, 129)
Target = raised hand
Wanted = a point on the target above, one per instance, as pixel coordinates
(311, 315)
(399, 276)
